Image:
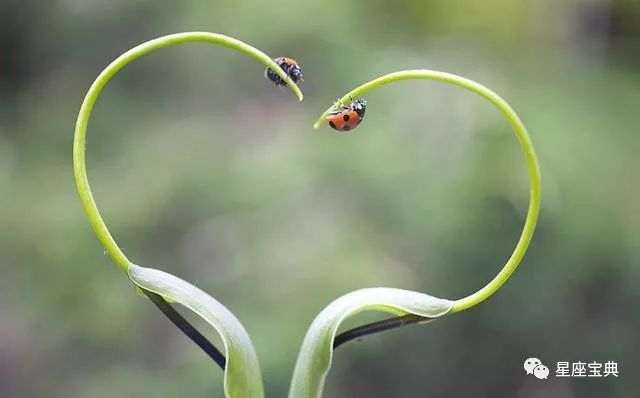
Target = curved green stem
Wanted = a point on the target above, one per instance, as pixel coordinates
(79, 140)
(527, 148)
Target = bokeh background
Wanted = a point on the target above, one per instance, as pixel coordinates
(204, 169)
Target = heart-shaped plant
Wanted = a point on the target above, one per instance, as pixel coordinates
(239, 361)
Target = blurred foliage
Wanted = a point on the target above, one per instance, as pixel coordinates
(201, 167)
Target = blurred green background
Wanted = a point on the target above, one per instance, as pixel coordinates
(204, 169)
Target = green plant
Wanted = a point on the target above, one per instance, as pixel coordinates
(242, 371)
(240, 363)
(315, 355)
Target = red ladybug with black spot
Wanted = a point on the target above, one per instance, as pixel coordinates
(290, 66)
(349, 117)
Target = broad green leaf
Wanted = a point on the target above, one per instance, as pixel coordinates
(316, 353)
(242, 377)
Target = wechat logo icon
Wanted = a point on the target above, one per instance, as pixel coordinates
(535, 367)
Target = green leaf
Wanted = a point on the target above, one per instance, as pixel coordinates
(316, 353)
(242, 372)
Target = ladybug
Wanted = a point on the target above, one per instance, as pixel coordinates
(349, 117)
(289, 66)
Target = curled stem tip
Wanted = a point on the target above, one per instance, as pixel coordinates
(525, 144)
(79, 141)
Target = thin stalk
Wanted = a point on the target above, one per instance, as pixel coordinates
(187, 328)
(80, 136)
(527, 149)
(377, 327)
(80, 169)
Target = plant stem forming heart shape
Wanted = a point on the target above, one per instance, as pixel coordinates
(242, 372)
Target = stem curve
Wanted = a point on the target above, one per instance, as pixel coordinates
(525, 144)
(79, 139)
